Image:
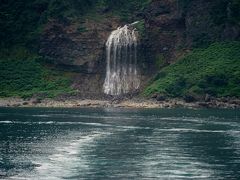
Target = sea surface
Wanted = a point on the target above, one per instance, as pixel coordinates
(52, 144)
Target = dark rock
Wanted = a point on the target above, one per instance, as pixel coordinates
(219, 105)
(167, 106)
(203, 104)
(165, 49)
(25, 103)
(36, 101)
(171, 27)
(160, 98)
(27, 99)
(105, 10)
(75, 45)
(235, 102)
(225, 100)
(207, 98)
(16, 105)
(189, 98)
(154, 96)
(79, 47)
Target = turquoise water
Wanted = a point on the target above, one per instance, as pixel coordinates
(119, 144)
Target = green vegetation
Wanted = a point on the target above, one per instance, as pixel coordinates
(22, 72)
(160, 61)
(22, 21)
(124, 8)
(26, 77)
(213, 70)
(220, 13)
(140, 26)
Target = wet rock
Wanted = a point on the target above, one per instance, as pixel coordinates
(203, 104)
(154, 96)
(189, 98)
(36, 101)
(16, 105)
(167, 106)
(27, 99)
(235, 102)
(25, 103)
(213, 103)
(160, 98)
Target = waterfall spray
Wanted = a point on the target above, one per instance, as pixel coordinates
(121, 53)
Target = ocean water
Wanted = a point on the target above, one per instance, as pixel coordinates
(52, 143)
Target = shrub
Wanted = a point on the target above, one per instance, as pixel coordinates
(213, 70)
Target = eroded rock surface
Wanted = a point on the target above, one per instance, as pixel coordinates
(171, 29)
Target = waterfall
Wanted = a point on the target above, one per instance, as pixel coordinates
(121, 53)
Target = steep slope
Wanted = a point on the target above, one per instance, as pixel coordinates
(69, 36)
(27, 77)
(212, 71)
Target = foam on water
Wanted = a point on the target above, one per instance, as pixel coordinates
(119, 145)
(63, 163)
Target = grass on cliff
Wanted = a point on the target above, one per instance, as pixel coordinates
(214, 70)
(25, 76)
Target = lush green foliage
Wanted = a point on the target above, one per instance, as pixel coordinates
(22, 21)
(124, 8)
(19, 22)
(26, 77)
(140, 26)
(21, 72)
(214, 70)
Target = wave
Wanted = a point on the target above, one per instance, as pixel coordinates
(121, 126)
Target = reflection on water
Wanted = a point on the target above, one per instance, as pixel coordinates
(119, 144)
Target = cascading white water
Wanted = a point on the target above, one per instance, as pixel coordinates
(121, 51)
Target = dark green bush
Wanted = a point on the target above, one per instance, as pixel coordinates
(25, 77)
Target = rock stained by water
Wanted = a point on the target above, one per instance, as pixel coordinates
(121, 50)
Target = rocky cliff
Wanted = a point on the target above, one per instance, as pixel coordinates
(173, 27)
(169, 29)
(79, 47)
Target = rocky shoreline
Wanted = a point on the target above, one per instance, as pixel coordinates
(122, 103)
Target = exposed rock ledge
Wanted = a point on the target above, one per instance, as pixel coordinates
(128, 103)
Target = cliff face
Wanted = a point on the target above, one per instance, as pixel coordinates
(79, 47)
(174, 27)
(165, 27)
(211, 21)
(169, 29)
